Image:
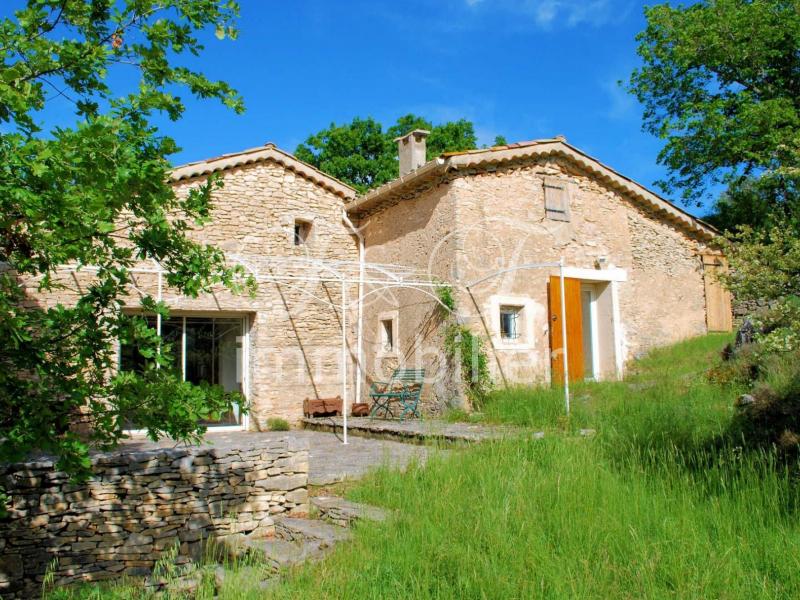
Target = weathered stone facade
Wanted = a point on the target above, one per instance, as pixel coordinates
(417, 234)
(140, 503)
(293, 329)
(295, 340)
(456, 219)
(464, 221)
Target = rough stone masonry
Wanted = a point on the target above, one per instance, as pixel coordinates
(138, 504)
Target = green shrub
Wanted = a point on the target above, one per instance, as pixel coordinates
(739, 366)
(445, 294)
(770, 414)
(275, 424)
(461, 343)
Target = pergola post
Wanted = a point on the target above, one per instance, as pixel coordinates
(344, 361)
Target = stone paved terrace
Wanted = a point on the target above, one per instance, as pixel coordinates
(411, 430)
(329, 460)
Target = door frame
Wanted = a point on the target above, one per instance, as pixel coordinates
(593, 322)
(614, 277)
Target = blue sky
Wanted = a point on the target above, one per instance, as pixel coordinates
(521, 68)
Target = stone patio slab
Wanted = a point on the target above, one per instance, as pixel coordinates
(412, 430)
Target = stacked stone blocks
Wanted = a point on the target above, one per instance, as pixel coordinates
(139, 504)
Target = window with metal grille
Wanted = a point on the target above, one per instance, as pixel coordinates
(509, 322)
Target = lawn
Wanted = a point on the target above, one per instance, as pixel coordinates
(659, 503)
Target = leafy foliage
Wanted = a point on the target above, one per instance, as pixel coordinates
(771, 200)
(771, 414)
(461, 345)
(364, 155)
(765, 268)
(97, 195)
(719, 84)
(445, 295)
(500, 140)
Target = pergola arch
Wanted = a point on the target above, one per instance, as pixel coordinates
(379, 277)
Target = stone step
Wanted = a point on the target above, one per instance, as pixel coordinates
(281, 554)
(343, 512)
(294, 529)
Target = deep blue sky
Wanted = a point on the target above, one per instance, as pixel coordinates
(521, 68)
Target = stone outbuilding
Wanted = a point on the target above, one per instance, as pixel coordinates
(639, 272)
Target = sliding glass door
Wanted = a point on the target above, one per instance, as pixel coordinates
(213, 350)
(205, 349)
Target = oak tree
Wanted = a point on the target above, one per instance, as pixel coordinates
(364, 155)
(96, 196)
(720, 84)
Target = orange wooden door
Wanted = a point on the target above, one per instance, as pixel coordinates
(572, 294)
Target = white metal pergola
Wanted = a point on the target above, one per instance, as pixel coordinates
(296, 273)
(303, 274)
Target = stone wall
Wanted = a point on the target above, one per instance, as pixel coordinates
(140, 503)
(294, 327)
(417, 234)
(502, 217)
(478, 221)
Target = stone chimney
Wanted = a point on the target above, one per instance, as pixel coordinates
(411, 150)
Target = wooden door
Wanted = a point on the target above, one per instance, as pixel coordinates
(572, 294)
(719, 312)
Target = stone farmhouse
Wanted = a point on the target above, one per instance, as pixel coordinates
(348, 282)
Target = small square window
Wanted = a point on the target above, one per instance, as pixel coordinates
(387, 335)
(510, 322)
(302, 231)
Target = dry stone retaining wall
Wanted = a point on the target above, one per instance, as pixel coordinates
(140, 503)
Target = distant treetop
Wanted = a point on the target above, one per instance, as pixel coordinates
(364, 155)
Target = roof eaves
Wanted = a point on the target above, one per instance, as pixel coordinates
(263, 153)
(375, 196)
(544, 147)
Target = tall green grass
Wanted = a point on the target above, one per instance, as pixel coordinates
(668, 386)
(659, 503)
(663, 502)
(553, 518)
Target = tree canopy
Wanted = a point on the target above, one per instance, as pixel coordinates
(720, 83)
(97, 195)
(363, 154)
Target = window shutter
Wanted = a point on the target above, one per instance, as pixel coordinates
(556, 199)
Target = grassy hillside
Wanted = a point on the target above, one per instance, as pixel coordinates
(660, 502)
(657, 504)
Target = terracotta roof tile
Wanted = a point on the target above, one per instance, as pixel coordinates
(395, 191)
